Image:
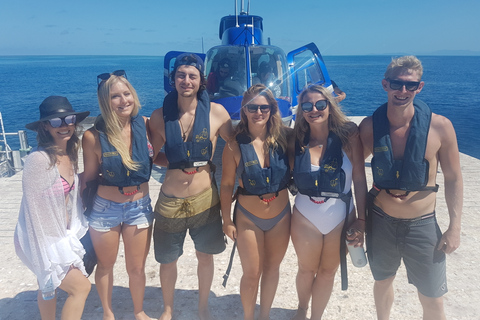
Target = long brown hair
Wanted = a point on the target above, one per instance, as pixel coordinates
(338, 122)
(276, 133)
(47, 143)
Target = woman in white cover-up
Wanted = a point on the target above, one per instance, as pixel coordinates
(51, 221)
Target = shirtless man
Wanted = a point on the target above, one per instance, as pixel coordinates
(402, 220)
(188, 125)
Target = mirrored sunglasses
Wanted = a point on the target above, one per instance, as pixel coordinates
(398, 85)
(320, 105)
(68, 120)
(105, 76)
(252, 108)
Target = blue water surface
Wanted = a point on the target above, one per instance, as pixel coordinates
(452, 87)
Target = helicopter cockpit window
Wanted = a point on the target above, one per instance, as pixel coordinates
(225, 72)
(268, 66)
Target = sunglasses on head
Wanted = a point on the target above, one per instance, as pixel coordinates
(68, 120)
(320, 105)
(398, 85)
(252, 108)
(105, 76)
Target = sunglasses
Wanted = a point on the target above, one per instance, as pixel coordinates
(398, 85)
(253, 108)
(68, 120)
(105, 76)
(320, 105)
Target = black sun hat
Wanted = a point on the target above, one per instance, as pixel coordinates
(56, 107)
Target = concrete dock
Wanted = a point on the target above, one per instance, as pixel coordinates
(18, 287)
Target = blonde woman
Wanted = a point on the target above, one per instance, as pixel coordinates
(51, 222)
(118, 148)
(327, 158)
(261, 224)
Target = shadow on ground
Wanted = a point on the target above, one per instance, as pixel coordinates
(24, 305)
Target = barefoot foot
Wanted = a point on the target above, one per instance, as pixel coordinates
(166, 316)
(204, 314)
(142, 316)
(301, 314)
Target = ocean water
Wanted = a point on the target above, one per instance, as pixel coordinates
(452, 87)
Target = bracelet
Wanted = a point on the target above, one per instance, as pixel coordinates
(361, 219)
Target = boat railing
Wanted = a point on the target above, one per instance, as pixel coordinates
(11, 160)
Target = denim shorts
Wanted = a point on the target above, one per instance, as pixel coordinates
(108, 214)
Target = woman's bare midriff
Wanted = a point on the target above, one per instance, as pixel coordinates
(113, 194)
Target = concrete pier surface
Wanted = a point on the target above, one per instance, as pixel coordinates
(18, 286)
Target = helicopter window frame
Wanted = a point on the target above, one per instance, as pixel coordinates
(307, 71)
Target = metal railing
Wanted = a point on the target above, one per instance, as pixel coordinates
(11, 160)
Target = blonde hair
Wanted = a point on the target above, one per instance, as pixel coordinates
(113, 126)
(405, 63)
(276, 133)
(337, 120)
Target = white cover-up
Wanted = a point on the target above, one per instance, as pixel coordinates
(42, 240)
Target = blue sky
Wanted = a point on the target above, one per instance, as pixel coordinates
(338, 27)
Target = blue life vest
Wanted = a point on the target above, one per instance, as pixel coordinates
(329, 181)
(189, 154)
(114, 172)
(257, 180)
(411, 172)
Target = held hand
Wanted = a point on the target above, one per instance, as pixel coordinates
(356, 239)
(450, 241)
(355, 233)
(230, 230)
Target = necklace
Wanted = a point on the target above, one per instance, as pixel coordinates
(184, 135)
(316, 145)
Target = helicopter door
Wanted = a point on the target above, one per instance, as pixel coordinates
(307, 67)
(168, 63)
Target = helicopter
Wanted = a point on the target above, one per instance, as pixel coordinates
(247, 60)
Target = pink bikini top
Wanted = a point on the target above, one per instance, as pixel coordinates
(66, 186)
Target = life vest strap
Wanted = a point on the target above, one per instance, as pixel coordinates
(345, 197)
(189, 164)
(120, 189)
(243, 191)
(407, 192)
(267, 201)
(319, 201)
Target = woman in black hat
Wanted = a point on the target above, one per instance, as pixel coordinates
(118, 148)
(50, 223)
